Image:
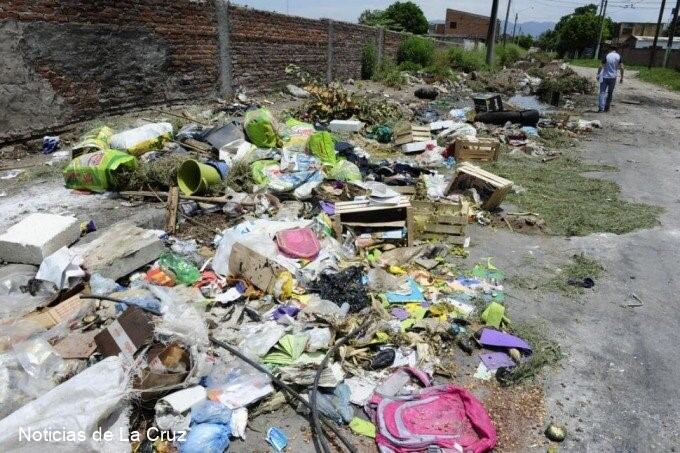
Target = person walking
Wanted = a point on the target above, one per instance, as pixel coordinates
(606, 76)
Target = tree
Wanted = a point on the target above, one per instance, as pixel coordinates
(577, 31)
(525, 41)
(399, 16)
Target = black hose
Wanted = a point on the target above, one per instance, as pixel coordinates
(285, 387)
(315, 387)
(120, 301)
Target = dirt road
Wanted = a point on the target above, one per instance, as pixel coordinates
(619, 389)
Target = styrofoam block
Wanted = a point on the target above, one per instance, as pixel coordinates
(439, 125)
(37, 237)
(345, 126)
(417, 146)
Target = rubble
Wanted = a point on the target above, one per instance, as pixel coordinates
(330, 276)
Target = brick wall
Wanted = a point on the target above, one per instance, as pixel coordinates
(468, 25)
(641, 57)
(63, 61)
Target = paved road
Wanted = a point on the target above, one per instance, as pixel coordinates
(619, 389)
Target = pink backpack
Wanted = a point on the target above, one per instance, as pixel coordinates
(446, 416)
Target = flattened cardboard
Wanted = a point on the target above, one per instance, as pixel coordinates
(259, 269)
(126, 334)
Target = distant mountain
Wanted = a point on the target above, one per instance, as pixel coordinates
(532, 27)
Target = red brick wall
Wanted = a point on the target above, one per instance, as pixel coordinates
(70, 60)
(467, 25)
(263, 44)
(641, 57)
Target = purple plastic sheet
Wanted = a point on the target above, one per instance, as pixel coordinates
(495, 339)
(400, 313)
(285, 310)
(496, 360)
(327, 207)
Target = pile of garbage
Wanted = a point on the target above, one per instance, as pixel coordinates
(322, 290)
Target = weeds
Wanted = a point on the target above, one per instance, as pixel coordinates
(556, 138)
(466, 60)
(508, 54)
(159, 175)
(573, 204)
(389, 75)
(369, 61)
(545, 352)
(416, 49)
(580, 267)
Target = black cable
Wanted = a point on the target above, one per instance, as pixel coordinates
(285, 387)
(120, 301)
(315, 387)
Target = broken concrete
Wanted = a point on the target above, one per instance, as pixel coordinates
(37, 237)
(121, 250)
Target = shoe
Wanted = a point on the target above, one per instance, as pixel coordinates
(600, 111)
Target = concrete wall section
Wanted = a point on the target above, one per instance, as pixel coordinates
(72, 60)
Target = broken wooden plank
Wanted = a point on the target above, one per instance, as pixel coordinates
(171, 214)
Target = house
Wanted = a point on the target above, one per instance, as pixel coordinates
(646, 42)
(624, 30)
(461, 24)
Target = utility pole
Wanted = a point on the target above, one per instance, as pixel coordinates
(505, 25)
(652, 54)
(491, 35)
(514, 27)
(671, 33)
(604, 18)
(599, 14)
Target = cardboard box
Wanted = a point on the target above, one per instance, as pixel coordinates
(126, 334)
(257, 268)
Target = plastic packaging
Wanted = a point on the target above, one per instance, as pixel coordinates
(102, 286)
(181, 320)
(206, 438)
(322, 146)
(210, 412)
(277, 439)
(184, 271)
(96, 171)
(142, 139)
(81, 404)
(15, 282)
(38, 358)
(262, 129)
(336, 406)
(237, 384)
(319, 338)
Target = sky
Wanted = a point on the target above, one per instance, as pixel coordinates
(528, 10)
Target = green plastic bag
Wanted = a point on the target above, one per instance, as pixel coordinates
(261, 129)
(344, 170)
(258, 168)
(322, 146)
(94, 171)
(185, 271)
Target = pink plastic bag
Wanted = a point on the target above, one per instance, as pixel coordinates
(446, 416)
(298, 243)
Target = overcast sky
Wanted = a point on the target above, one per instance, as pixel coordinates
(538, 10)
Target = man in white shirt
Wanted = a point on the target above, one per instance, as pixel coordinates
(606, 75)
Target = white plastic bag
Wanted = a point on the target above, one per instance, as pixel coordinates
(141, 139)
(79, 405)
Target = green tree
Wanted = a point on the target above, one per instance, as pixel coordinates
(524, 41)
(577, 31)
(399, 16)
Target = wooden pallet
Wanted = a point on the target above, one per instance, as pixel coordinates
(480, 149)
(436, 219)
(411, 134)
(367, 215)
(491, 188)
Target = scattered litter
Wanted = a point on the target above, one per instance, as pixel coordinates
(277, 439)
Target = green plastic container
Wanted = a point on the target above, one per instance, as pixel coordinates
(194, 177)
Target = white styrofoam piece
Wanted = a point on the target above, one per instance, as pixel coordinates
(417, 146)
(345, 126)
(439, 125)
(38, 236)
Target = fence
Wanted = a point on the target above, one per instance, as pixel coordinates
(64, 62)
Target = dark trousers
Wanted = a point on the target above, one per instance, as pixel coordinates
(606, 92)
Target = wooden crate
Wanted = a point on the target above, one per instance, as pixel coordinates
(480, 149)
(491, 188)
(435, 219)
(366, 215)
(411, 134)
